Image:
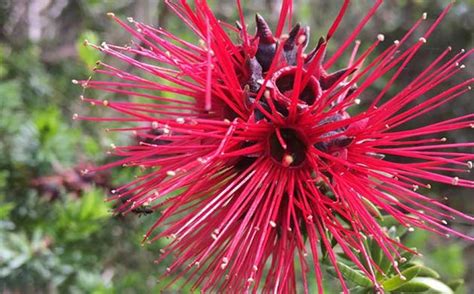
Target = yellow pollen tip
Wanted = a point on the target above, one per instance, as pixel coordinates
(287, 160)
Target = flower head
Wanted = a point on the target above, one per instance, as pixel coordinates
(249, 151)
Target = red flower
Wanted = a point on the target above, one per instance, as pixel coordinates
(251, 156)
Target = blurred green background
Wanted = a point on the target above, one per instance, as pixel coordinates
(56, 232)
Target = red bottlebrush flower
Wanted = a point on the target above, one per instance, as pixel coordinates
(249, 152)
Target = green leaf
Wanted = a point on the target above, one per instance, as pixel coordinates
(324, 251)
(388, 221)
(455, 284)
(428, 272)
(360, 290)
(413, 286)
(397, 281)
(385, 264)
(372, 209)
(353, 275)
(434, 286)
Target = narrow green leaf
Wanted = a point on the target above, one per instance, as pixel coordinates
(433, 285)
(375, 251)
(360, 290)
(455, 284)
(354, 275)
(428, 272)
(385, 263)
(388, 221)
(397, 281)
(372, 209)
(412, 287)
(324, 251)
(361, 256)
(342, 255)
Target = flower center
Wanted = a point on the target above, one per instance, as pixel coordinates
(285, 81)
(287, 148)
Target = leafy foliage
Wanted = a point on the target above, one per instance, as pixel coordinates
(414, 275)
